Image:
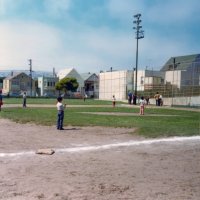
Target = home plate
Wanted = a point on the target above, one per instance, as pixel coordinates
(45, 151)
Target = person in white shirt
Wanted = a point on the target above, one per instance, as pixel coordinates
(60, 116)
(85, 97)
(24, 99)
(161, 100)
(142, 103)
(113, 101)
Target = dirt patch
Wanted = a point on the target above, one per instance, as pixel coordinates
(151, 171)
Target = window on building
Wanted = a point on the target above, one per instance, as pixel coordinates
(15, 82)
(22, 86)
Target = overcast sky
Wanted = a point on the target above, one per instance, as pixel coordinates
(94, 35)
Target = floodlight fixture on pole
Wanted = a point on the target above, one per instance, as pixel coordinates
(137, 15)
(139, 35)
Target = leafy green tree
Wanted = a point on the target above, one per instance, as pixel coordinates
(58, 87)
(67, 84)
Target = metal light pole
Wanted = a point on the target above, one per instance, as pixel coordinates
(139, 35)
(133, 74)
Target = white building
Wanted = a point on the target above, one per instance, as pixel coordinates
(149, 79)
(116, 83)
(119, 83)
(46, 86)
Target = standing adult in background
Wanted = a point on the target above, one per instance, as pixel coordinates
(147, 100)
(24, 99)
(1, 99)
(157, 96)
(134, 99)
(130, 97)
(160, 100)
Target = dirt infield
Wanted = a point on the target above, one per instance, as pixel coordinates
(149, 171)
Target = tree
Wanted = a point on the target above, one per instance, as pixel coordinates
(67, 84)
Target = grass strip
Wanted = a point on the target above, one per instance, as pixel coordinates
(163, 122)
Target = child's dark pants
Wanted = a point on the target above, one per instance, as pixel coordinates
(60, 119)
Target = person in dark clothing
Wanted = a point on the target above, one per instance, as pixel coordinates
(130, 97)
(1, 99)
(134, 99)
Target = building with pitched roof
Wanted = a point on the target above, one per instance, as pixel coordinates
(91, 84)
(16, 83)
(72, 73)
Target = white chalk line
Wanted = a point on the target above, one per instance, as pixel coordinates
(16, 154)
(108, 146)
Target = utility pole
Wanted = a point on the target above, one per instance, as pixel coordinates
(139, 35)
(30, 64)
(175, 64)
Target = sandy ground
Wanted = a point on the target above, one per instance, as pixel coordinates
(156, 171)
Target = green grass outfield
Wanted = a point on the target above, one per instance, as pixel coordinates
(157, 121)
(51, 101)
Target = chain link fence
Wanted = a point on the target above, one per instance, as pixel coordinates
(177, 83)
(179, 87)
